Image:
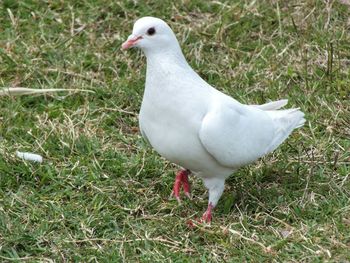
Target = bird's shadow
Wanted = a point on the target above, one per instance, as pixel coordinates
(254, 189)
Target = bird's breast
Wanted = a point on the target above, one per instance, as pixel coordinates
(171, 126)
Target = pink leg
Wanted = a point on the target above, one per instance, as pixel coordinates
(186, 184)
(181, 179)
(207, 215)
(177, 185)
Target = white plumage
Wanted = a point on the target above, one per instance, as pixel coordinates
(192, 124)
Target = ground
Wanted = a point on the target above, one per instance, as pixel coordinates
(102, 194)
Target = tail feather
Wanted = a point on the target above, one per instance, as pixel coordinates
(285, 121)
(273, 105)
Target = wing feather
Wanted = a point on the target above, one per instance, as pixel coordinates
(236, 134)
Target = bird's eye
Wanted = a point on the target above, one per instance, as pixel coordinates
(151, 31)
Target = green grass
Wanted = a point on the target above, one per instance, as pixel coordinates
(102, 194)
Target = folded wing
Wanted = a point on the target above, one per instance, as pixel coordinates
(236, 134)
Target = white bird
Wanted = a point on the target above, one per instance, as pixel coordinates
(194, 125)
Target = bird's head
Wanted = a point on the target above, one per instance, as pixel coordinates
(151, 34)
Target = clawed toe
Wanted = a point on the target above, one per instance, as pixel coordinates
(188, 195)
(207, 216)
(181, 180)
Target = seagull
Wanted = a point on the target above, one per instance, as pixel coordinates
(194, 125)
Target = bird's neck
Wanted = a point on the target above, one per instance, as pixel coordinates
(166, 58)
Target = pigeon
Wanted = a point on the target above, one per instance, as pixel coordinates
(194, 125)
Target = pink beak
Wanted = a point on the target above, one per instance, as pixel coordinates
(131, 41)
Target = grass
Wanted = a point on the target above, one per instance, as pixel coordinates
(102, 194)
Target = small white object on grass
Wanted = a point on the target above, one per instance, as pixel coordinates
(30, 156)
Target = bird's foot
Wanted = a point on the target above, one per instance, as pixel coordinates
(181, 179)
(207, 216)
(205, 219)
